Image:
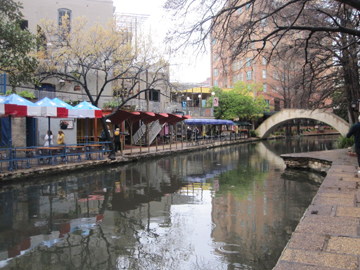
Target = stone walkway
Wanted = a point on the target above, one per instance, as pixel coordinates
(327, 236)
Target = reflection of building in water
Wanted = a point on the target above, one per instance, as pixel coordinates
(253, 219)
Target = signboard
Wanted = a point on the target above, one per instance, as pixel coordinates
(216, 101)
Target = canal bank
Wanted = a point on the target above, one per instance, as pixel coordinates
(327, 239)
(132, 154)
(327, 236)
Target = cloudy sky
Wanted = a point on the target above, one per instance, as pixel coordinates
(186, 68)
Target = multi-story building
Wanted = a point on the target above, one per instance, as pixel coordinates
(100, 11)
(277, 68)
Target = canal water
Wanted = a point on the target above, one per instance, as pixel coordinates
(233, 207)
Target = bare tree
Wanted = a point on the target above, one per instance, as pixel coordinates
(321, 29)
(81, 54)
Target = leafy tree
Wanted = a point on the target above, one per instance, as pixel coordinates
(16, 44)
(81, 53)
(239, 102)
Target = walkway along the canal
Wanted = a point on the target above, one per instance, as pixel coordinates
(327, 236)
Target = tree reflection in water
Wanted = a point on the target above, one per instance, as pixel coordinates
(225, 208)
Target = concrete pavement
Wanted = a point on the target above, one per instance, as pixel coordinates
(328, 235)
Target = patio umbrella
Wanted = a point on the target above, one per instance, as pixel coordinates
(49, 109)
(31, 108)
(72, 112)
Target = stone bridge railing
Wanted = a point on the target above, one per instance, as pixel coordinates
(278, 119)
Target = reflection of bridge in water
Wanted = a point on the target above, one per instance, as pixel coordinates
(278, 119)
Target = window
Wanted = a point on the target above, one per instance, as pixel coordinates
(264, 61)
(234, 78)
(241, 76)
(276, 75)
(215, 72)
(241, 64)
(252, 45)
(234, 66)
(248, 61)
(265, 87)
(154, 95)
(264, 22)
(239, 10)
(215, 57)
(247, 6)
(248, 75)
(264, 73)
(238, 64)
(216, 83)
(268, 102)
(237, 77)
(214, 41)
(64, 17)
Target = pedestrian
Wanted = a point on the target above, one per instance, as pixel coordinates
(196, 134)
(188, 133)
(117, 139)
(355, 131)
(60, 138)
(61, 141)
(48, 138)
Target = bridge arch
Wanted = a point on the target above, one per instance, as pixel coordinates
(278, 119)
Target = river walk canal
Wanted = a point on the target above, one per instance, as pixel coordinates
(232, 207)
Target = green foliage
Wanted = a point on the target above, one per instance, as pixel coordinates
(16, 45)
(73, 102)
(239, 102)
(253, 133)
(26, 94)
(112, 104)
(344, 142)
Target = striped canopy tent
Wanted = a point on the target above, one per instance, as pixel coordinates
(72, 112)
(15, 105)
(7, 109)
(87, 110)
(50, 109)
(32, 109)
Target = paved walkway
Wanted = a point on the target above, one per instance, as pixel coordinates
(328, 235)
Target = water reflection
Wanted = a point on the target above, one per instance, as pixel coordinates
(226, 208)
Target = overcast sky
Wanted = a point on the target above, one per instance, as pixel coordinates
(187, 68)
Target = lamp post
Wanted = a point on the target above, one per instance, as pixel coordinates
(213, 95)
(199, 96)
(187, 104)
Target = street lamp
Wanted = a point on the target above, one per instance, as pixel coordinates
(199, 96)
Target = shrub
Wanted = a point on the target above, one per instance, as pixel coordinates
(253, 133)
(344, 142)
(27, 94)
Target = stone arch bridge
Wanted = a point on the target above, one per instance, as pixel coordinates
(278, 119)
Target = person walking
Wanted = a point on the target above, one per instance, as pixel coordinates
(61, 142)
(48, 138)
(188, 134)
(355, 131)
(60, 138)
(117, 139)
